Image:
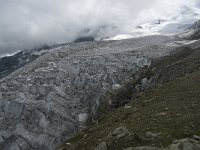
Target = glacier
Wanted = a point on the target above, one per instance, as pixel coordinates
(50, 99)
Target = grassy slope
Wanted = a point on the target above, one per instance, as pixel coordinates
(172, 108)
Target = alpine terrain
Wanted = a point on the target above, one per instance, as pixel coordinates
(133, 91)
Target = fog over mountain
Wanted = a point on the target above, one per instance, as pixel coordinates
(28, 24)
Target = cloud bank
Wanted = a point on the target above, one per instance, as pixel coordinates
(26, 24)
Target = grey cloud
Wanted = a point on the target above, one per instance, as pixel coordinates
(31, 23)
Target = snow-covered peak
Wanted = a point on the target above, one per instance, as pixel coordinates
(166, 25)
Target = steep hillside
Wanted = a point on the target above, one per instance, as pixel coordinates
(167, 111)
(47, 101)
(9, 64)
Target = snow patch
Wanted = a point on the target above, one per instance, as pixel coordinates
(120, 37)
(116, 86)
(82, 117)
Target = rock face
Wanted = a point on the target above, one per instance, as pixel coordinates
(184, 144)
(120, 132)
(8, 64)
(101, 146)
(49, 100)
(192, 32)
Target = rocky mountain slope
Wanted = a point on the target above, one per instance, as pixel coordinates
(52, 93)
(155, 118)
(8, 64)
(47, 101)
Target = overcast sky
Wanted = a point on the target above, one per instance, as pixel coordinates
(31, 23)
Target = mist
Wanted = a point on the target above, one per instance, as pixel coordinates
(25, 24)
